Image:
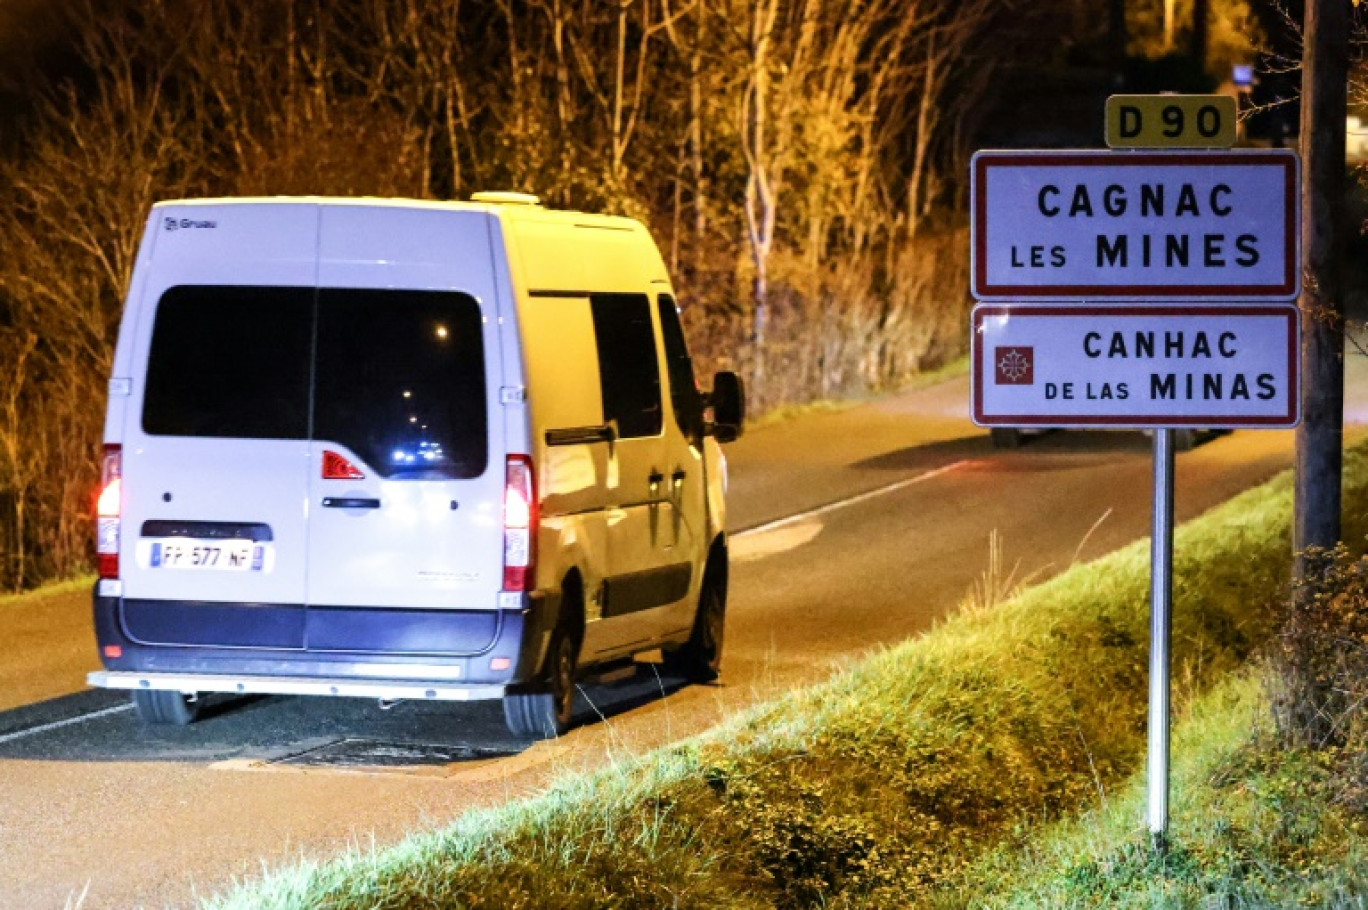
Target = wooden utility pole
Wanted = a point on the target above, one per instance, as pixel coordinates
(1200, 14)
(1325, 58)
(1116, 32)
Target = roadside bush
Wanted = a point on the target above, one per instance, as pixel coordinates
(1319, 684)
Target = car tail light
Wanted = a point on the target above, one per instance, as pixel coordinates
(335, 467)
(107, 510)
(520, 524)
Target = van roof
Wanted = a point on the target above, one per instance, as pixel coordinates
(519, 210)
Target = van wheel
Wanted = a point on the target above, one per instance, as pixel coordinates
(546, 710)
(700, 658)
(157, 706)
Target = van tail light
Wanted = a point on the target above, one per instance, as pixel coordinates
(107, 510)
(335, 467)
(520, 524)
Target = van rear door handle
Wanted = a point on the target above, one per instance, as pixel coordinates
(350, 502)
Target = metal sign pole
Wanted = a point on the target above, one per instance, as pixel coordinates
(1161, 615)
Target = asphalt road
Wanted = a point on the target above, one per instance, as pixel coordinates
(853, 529)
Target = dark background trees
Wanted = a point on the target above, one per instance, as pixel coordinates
(802, 164)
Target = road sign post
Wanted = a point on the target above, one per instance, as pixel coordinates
(1212, 366)
(1161, 634)
(1142, 289)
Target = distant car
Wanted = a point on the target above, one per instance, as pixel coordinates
(405, 450)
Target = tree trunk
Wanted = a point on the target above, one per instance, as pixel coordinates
(696, 128)
(759, 203)
(562, 98)
(925, 124)
(20, 554)
(1116, 31)
(619, 76)
(1319, 438)
(1199, 33)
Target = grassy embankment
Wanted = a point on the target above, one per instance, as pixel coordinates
(1256, 825)
(927, 773)
(68, 586)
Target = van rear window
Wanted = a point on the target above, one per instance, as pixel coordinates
(230, 361)
(401, 381)
(398, 377)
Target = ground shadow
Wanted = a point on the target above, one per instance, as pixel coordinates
(99, 725)
(1045, 442)
(929, 456)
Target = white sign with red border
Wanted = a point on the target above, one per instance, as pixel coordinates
(1198, 365)
(1156, 225)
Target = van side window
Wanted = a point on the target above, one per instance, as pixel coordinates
(629, 374)
(688, 404)
(230, 362)
(400, 380)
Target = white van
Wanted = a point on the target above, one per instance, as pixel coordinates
(405, 450)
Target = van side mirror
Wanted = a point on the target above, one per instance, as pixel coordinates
(728, 403)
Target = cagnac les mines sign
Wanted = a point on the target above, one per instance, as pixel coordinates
(1107, 225)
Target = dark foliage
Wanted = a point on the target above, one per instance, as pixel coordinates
(1320, 689)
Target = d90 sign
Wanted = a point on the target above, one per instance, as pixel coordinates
(1171, 121)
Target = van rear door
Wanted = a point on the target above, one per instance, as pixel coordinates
(406, 465)
(215, 445)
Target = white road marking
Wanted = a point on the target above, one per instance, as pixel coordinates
(57, 724)
(752, 547)
(850, 501)
(481, 770)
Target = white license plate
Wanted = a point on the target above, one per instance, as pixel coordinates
(220, 555)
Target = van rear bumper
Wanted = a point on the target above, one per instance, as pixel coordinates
(430, 690)
(414, 649)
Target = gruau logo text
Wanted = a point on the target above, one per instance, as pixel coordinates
(188, 224)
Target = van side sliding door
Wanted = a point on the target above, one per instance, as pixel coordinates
(645, 575)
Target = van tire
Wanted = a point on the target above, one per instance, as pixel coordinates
(700, 658)
(545, 711)
(158, 706)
